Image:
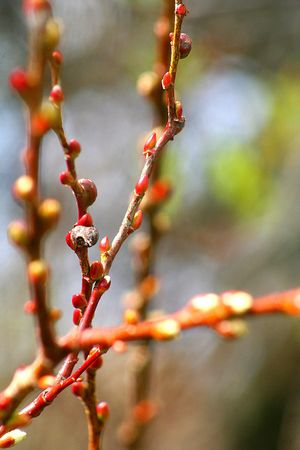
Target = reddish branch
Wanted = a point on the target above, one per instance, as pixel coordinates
(207, 310)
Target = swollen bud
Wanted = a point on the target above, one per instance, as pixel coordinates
(102, 411)
(150, 143)
(69, 241)
(56, 94)
(23, 188)
(166, 329)
(18, 233)
(104, 284)
(51, 34)
(96, 270)
(77, 316)
(57, 57)
(66, 178)
(104, 245)
(49, 211)
(79, 301)
(85, 220)
(185, 45)
(142, 185)
(18, 80)
(74, 148)
(166, 81)
(37, 271)
(78, 388)
(89, 190)
(181, 10)
(137, 219)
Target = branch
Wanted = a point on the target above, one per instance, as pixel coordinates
(209, 310)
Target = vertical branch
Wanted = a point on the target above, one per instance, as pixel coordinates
(40, 215)
(144, 247)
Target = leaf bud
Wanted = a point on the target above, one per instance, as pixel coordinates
(51, 34)
(18, 80)
(74, 148)
(89, 190)
(56, 94)
(46, 381)
(49, 211)
(78, 388)
(77, 316)
(23, 188)
(79, 301)
(86, 221)
(102, 411)
(66, 178)
(238, 302)
(104, 245)
(30, 307)
(18, 233)
(37, 271)
(181, 10)
(104, 284)
(137, 220)
(69, 241)
(96, 270)
(131, 316)
(57, 57)
(166, 81)
(165, 329)
(150, 143)
(142, 185)
(185, 45)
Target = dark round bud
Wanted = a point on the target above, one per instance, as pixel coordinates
(185, 45)
(89, 190)
(84, 236)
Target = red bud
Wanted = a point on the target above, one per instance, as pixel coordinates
(78, 388)
(166, 80)
(79, 301)
(85, 221)
(150, 144)
(74, 148)
(185, 45)
(142, 185)
(18, 80)
(96, 270)
(104, 245)
(56, 94)
(66, 178)
(30, 307)
(104, 284)
(57, 57)
(102, 411)
(77, 315)
(181, 10)
(69, 241)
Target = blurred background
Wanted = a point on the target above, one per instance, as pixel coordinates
(235, 212)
